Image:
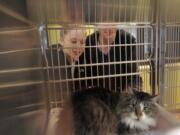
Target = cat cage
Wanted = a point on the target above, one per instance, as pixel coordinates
(31, 35)
(153, 24)
(138, 18)
(170, 56)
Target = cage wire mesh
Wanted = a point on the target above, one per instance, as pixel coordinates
(132, 58)
(93, 11)
(170, 59)
(153, 24)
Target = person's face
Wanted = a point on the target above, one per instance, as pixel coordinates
(108, 34)
(74, 43)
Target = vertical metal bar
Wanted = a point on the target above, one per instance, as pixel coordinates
(56, 86)
(84, 58)
(96, 48)
(115, 79)
(82, 12)
(161, 40)
(90, 47)
(55, 31)
(173, 66)
(74, 66)
(75, 12)
(119, 11)
(178, 68)
(155, 47)
(125, 11)
(109, 66)
(44, 44)
(95, 11)
(113, 12)
(60, 86)
(138, 48)
(103, 61)
(126, 45)
(130, 11)
(120, 50)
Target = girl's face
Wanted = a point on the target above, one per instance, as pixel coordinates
(74, 43)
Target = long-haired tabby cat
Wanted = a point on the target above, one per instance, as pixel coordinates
(97, 111)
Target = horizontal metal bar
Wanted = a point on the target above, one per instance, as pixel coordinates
(93, 77)
(17, 84)
(97, 64)
(69, 46)
(17, 29)
(21, 70)
(172, 41)
(20, 50)
(100, 25)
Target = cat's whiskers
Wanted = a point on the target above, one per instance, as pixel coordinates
(144, 122)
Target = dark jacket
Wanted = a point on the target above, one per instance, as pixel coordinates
(97, 69)
(58, 74)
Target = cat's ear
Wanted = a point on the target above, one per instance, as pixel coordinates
(155, 98)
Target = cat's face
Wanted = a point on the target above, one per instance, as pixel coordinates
(137, 111)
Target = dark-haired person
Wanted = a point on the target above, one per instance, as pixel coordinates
(109, 56)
